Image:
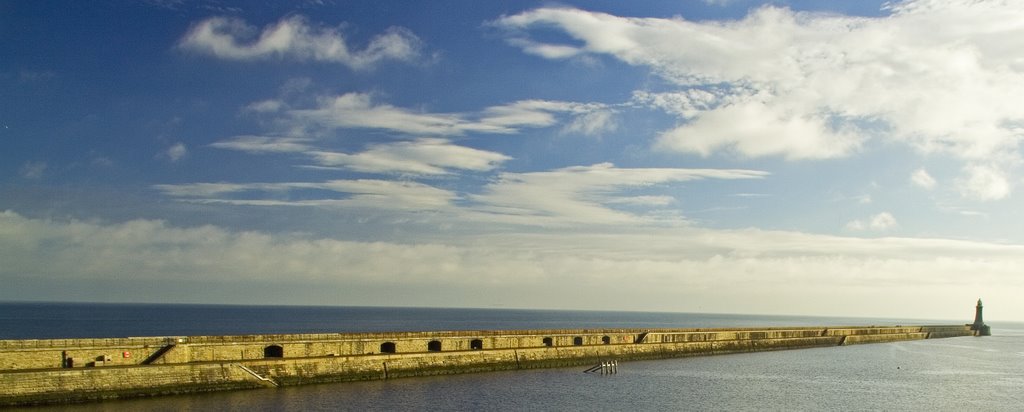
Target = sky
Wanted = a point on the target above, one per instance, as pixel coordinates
(794, 157)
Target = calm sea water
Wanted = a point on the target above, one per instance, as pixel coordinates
(954, 374)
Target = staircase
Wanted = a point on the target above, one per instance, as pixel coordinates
(158, 354)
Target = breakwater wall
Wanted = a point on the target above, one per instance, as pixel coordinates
(78, 370)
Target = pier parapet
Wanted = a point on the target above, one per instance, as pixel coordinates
(39, 371)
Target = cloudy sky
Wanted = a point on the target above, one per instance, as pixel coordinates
(730, 156)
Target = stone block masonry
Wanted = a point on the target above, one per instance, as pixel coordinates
(80, 370)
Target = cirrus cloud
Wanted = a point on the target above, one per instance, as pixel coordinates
(264, 144)
(423, 156)
(583, 194)
(295, 38)
(370, 194)
(360, 111)
(579, 196)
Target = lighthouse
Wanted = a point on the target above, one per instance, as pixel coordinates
(979, 327)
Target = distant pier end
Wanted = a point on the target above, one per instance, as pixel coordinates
(979, 327)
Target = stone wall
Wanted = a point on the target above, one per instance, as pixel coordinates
(53, 353)
(42, 354)
(208, 363)
(90, 384)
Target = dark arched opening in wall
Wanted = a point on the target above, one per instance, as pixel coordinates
(273, 351)
(476, 344)
(577, 340)
(548, 342)
(387, 347)
(606, 340)
(434, 346)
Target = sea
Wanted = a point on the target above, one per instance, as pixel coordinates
(953, 374)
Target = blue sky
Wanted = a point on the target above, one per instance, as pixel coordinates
(801, 157)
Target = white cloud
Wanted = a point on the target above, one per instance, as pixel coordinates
(33, 170)
(201, 189)
(880, 222)
(651, 201)
(152, 250)
(264, 144)
(972, 213)
(592, 124)
(357, 110)
(581, 194)
(755, 129)
(294, 38)
(921, 178)
(677, 269)
(567, 197)
(883, 221)
(423, 156)
(383, 194)
(815, 85)
(100, 160)
(855, 225)
(265, 106)
(547, 51)
(684, 103)
(982, 182)
(533, 113)
(360, 194)
(176, 152)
